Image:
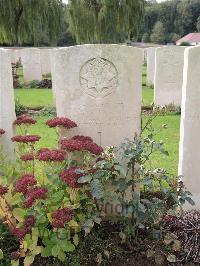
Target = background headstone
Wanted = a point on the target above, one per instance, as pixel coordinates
(7, 103)
(52, 61)
(151, 55)
(99, 87)
(189, 152)
(45, 60)
(15, 58)
(168, 75)
(30, 59)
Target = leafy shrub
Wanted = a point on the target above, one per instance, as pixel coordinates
(46, 111)
(33, 84)
(54, 196)
(19, 108)
(45, 83)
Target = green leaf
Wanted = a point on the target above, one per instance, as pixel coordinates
(61, 256)
(97, 189)
(19, 214)
(58, 196)
(85, 179)
(46, 252)
(121, 169)
(76, 239)
(67, 246)
(190, 201)
(1, 254)
(122, 184)
(14, 262)
(55, 250)
(29, 260)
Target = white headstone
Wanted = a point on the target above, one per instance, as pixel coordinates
(151, 56)
(189, 152)
(45, 61)
(52, 60)
(7, 103)
(168, 75)
(15, 58)
(99, 87)
(30, 58)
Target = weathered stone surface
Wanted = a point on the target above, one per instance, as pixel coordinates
(53, 73)
(15, 58)
(7, 104)
(30, 58)
(99, 87)
(45, 61)
(151, 55)
(168, 75)
(189, 152)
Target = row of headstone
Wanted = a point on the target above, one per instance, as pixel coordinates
(189, 149)
(36, 62)
(165, 73)
(99, 87)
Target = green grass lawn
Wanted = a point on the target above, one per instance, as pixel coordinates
(170, 136)
(34, 97)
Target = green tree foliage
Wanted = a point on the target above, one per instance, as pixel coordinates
(158, 33)
(30, 21)
(105, 21)
(179, 17)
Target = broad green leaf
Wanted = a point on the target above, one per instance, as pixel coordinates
(76, 239)
(55, 250)
(97, 189)
(14, 262)
(16, 199)
(61, 256)
(37, 250)
(73, 223)
(1, 254)
(29, 260)
(19, 214)
(85, 179)
(121, 169)
(67, 247)
(46, 252)
(58, 196)
(191, 202)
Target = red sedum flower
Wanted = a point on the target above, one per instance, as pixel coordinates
(81, 143)
(70, 177)
(61, 121)
(3, 190)
(83, 138)
(26, 139)
(61, 217)
(24, 120)
(24, 183)
(2, 132)
(29, 221)
(47, 155)
(33, 194)
(20, 233)
(27, 157)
